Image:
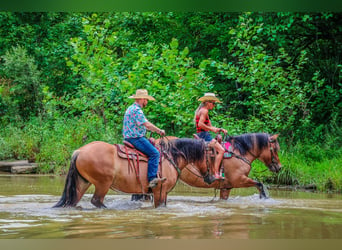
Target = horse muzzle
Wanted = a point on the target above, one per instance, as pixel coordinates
(274, 167)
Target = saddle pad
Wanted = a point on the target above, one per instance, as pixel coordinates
(228, 147)
(125, 152)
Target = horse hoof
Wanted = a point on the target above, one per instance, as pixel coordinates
(263, 196)
(97, 203)
(140, 197)
(209, 179)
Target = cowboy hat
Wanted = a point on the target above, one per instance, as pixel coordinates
(142, 94)
(209, 97)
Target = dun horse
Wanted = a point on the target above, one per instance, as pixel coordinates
(108, 166)
(243, 151)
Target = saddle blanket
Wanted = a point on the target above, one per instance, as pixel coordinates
(126, 152)
(228, 148)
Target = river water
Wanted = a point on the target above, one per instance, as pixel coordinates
(191, 213)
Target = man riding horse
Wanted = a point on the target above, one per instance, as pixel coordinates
(134, 131)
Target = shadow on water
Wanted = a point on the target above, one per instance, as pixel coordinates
(191, 213)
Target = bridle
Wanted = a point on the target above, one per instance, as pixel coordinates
(273, 150)
(168, 157)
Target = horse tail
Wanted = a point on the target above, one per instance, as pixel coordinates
(69, 196)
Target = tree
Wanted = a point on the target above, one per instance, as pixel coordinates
(22, 90)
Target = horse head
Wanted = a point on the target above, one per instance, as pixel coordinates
(270, 155)
(260, 146)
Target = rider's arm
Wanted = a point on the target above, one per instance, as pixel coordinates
(202, 117)
(153, 128)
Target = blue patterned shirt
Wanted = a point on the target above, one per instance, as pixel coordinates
(133, 122)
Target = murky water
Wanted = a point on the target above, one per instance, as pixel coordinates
(191, 213)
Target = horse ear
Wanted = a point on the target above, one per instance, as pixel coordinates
(273, 137)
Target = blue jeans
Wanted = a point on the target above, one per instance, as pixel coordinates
(144, 145)
(205, 135)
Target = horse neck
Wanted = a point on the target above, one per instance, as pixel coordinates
(182, 164)
(252, 153)
(256, 151)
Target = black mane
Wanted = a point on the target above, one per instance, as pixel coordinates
(246, 142)
(191, 150)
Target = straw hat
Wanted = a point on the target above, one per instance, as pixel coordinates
(209, 97)
(142, 94)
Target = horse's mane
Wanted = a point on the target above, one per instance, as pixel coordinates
(193, 150)
(246, 142)
(190, 150)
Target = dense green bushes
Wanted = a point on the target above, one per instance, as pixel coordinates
(51, 143)
(68, 81)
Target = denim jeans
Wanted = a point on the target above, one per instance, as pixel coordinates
(144, 145)
(205, 135)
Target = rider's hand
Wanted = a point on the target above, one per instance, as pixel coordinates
(217, 130)
(161, 132)
(224, 131)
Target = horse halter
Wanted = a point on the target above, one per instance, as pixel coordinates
(272, 150)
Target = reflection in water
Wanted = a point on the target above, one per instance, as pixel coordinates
(25, 212)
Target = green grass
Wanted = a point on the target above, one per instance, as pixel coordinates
(299, 168)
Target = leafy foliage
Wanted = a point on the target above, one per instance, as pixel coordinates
(22, 89)
(275, 72)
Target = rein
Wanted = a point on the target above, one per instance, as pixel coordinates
(240, 157)
(169, 158)
(195, 174)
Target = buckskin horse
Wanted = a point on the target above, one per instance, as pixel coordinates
(117, 167)
(241, 151)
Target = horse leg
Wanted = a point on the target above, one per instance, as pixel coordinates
(140, 197)
(159, 198)
(99, 194)
(224, 193)
(82, 187)
(137, 197)
(262, 190)
(248, 182)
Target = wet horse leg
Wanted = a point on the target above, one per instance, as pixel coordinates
(82, 187)
(224, 193)
(140, 197)
(99, 194)
(160, 197)
(262, 190)
(248, 182)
